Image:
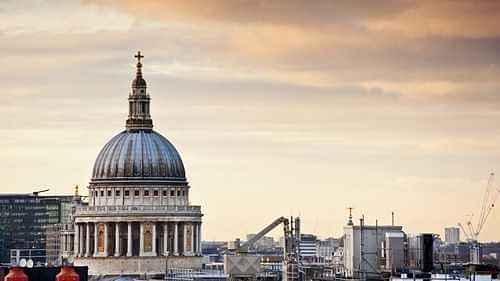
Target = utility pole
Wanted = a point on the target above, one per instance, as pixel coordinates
(376, 241)
(362, 249)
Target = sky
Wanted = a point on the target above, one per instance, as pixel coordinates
(278, 108)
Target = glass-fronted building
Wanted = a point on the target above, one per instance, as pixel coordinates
(24, 220)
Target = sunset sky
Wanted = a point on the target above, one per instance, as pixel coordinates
(282, 107)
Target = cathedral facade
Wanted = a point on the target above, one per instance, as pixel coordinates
(138, 218)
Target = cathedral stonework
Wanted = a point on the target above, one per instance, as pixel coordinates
(138, 218)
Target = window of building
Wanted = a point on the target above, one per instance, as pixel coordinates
(178, 193)
(136, 192)
(183, 193)
(109, 193)
(102, 192)
(172, 192)
(164, 192)
(155, 193)
(117, 193)
(127, 193)
(146, 192)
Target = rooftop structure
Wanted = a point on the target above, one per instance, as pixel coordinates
(362, 248)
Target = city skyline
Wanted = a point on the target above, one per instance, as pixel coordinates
(305, 110)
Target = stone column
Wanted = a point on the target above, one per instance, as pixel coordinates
(117, 239)
(199, 239)
(193, 229)
(77, 237)
(165, 239)
(141, 240)
(153, 244)
(129, 239)
(87, 241)
(195, 238)
(197, 232)
(95, 240)
(184, 240)
(106, 244)
(176, 238)
(80, 242)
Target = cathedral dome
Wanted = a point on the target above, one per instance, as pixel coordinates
(138, 155)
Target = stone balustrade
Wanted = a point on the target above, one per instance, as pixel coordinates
(139, 209)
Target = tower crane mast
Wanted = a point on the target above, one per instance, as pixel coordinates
(488, 201)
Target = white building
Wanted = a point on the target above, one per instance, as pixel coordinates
(362, 248)
(452, 235)
(393, 251)
(139, 212)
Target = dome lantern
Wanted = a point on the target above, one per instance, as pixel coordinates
(139, 117)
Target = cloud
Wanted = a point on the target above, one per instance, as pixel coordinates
(422, 50)
(473, 19)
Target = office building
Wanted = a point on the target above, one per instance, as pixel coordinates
(307, 247)
(421, 252)
(452, 235)
(393, 252)
(24, 221)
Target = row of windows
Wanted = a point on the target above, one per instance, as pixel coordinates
(137, 193)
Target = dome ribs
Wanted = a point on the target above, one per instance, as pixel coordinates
(121, 159)
(112, 166)
(144, 155)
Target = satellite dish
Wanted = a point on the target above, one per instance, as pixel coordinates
(22, 263)
(30, 263)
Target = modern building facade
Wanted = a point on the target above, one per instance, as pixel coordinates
(60, 236)
(24, 221)
(421, 252)
(452, 235)
(307, 247)
(362, 248)
(139, 217)
(393, 252)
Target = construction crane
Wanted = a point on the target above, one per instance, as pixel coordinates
(240, 265)
(489, 198)
(36, 193)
